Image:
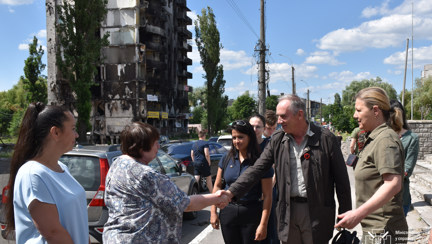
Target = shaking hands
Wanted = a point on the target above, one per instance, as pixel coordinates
(223, 198)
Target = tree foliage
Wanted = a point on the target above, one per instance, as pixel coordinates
(79, 51)
(11, 102)
(243, 107)
(271, 102)
(422, 101)
(34, 82)
(340, 117)
(207, 39)
(354, 87)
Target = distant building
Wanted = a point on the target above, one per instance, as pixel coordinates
(427, 72)
(144, 73)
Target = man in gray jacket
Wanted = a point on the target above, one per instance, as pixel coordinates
(309, 165)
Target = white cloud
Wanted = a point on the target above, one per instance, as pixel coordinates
(241, 88)
(322, 58)
(16, 2)
(372, 11)
(193, 16)
(283, 72)
(347, 76)
(300, 52)
(11, 10)
(422, 55)
(388, 31)
(230, 59)
(23, 46)
(235, 59)
(41, 34)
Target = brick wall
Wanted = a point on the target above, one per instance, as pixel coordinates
(423, 128)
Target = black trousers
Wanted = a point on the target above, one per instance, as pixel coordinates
(240, 221)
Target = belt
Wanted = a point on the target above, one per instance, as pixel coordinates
(299, 199)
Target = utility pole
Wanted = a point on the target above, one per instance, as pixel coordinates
(262, 55)
(308, 106)
(293, 82)
(321, 111)
(406, 62)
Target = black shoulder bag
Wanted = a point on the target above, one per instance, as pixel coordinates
(346, 237)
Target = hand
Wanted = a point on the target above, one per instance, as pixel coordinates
(261, 233)
(214, 221)
(223, 199)
(430, 237)
(348, 220)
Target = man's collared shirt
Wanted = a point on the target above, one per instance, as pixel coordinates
(298, 186)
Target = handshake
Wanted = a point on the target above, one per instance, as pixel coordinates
(223, 198)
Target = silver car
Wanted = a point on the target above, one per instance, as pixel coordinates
(89, 165)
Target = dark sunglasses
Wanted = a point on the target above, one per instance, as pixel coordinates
(239, 122)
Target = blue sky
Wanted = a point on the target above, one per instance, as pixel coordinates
(330, 43)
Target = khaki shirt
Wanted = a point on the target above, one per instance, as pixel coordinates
(382, 154)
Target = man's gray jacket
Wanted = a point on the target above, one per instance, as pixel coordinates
(323, 170)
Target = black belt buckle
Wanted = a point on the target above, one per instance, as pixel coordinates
(299, 199)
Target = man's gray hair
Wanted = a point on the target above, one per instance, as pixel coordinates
(297, 103)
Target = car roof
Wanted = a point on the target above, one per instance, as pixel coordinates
(225, 137)
(101, 151)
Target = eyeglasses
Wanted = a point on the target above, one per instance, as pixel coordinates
(239, 122)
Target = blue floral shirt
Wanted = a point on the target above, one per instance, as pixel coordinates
(144, 206)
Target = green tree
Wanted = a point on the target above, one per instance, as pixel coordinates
(198, 113)
(422, 99)
(197, 97)
(243, 107)
(11, 102)
(34, 82)
(354, 87)
(271, 102)
(207, 39)
(78, 54)
(341, 117)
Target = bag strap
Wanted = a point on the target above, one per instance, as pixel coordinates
(224, 165)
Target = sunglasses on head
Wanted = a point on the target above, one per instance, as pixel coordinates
(239, 122)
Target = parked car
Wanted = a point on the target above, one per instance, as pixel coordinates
(89, 166)
(226, 141)
(213, 138)
(182, 152)
(163, 140)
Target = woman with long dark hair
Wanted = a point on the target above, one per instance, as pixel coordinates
(244, 220)
(410, 143)
(45, 203)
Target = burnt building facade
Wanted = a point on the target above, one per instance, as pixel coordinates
(144, 74)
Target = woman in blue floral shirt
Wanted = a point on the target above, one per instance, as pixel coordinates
(145, 206)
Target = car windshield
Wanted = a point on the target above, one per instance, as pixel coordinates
(225, 142)
(169, 164)
(85, 169)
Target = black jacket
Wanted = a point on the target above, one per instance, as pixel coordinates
(323, 170)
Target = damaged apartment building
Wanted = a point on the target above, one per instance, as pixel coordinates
(144, 73)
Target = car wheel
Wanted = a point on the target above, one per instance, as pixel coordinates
(203, 184)
(194, 214)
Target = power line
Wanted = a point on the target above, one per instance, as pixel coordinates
(237, 10)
